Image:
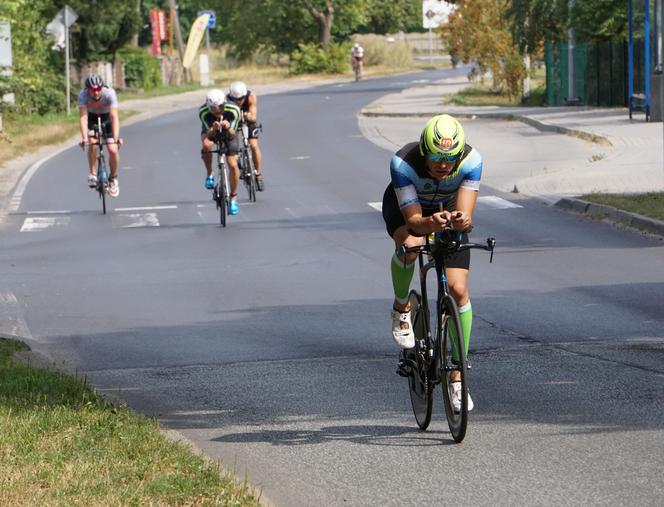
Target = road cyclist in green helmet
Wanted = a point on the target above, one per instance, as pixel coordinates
(434, 184)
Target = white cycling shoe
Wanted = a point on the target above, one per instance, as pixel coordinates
(92, 180)
(402, 329)
(455, 396)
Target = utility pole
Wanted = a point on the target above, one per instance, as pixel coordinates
(571, 75)
(67, 79)
(659, 61)
(178, 37)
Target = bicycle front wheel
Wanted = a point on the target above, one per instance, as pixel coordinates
(452, 357)
(419, 384)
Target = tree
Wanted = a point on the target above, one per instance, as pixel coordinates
(390, 16)
(324, 18)
(474, 32)
(601, 20)
(38, 80)
(278, 26)
(101, 28)
(534, 22)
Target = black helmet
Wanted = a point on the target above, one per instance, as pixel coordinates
(94, 81)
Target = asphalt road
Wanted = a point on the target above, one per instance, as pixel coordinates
(267, 343)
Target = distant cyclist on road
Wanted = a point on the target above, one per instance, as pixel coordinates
(221, 117)
(97, 100)
(357, 58)
(248, 103)
(434, 184)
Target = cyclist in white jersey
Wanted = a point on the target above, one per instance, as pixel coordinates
(98, 101)
(357, 57)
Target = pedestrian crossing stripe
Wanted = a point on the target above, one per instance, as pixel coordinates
(33, 224)
(486, 201)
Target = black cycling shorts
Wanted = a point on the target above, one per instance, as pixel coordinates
(233, 146)
(253, 129)
(105, 123)
(394, 219)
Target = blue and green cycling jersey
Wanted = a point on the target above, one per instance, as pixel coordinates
(231, 113)
(413, 184)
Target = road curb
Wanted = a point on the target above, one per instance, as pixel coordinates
(544, 127)
(602, 211)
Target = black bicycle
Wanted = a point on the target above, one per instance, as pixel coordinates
(246, 162)
(431, 361)
(221, 189)
(102, 173)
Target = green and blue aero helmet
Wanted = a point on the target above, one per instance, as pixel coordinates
(443, 138)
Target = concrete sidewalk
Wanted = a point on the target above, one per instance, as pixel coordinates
(632, 156)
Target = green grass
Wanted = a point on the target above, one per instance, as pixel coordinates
(28, 132)
(649, 204)
(481, 94)
(60, 444)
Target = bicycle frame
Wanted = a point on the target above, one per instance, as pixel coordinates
(433, 359)
(102, 173)
(221, 190)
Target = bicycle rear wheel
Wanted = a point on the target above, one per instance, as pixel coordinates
(419, 385)
(252, 177)
(450, 335)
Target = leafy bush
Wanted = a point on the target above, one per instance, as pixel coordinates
(313, 58)
(142, 70)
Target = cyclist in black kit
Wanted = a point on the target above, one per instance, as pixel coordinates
(248, 103)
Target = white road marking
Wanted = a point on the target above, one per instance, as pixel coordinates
(146, 208)
(132, 220)
(51, 212)
(12, 322)
(416, 81)
(490, 201)
(15, 202)
(495, 202)
(33, 224)
(301, 157)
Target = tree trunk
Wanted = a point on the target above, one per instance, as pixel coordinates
(324, 20)
(134, 38)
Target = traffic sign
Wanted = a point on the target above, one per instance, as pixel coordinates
(212, 20)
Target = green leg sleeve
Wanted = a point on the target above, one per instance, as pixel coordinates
(466, 317)
(401, 278)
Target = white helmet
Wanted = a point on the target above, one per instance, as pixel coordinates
(237, 90)
(215, 98)
(357, 45)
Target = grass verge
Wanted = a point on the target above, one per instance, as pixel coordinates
(60, 444)
(650, 204)
(25, 133)
(482, 95)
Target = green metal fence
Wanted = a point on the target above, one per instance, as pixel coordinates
(600, 73)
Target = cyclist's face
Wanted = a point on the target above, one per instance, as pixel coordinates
(95, 93)
(216, 110)
(440, 169)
